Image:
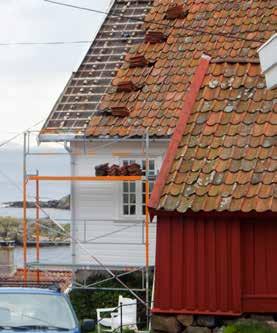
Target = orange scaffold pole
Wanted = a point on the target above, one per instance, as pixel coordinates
(147, 191)
(37, 228)
(25, 236)
(85, 178)
(24, 220)
(147, 216)
(147, 223)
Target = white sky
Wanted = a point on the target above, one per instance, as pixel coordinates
(32, 77)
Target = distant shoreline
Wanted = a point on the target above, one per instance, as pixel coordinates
(11, 229)
(63, 204)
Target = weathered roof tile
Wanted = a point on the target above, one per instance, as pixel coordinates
(236, 166)
(165, 79)
(225, 160)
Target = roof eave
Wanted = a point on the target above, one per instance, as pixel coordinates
(60, 137)
(73, 137)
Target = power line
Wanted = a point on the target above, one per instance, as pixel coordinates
(2, 144)
(17, 186)
(45, 43)
(222, 34)
(80, 42)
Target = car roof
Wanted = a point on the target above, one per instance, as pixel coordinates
(33, 291)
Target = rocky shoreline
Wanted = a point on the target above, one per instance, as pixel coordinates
(63, 203)
(50, 234)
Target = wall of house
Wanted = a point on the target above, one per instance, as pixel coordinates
(259, 257)
(97, 207)
(215, 264)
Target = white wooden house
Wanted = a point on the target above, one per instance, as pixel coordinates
(107, 217)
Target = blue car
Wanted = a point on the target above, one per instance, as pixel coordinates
(41, 310)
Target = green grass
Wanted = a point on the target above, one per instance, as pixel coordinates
(249, 326)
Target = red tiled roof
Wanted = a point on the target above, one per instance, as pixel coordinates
(226, 159)
(62, 278)
(178, 132)
(85, 89)
(172, 63)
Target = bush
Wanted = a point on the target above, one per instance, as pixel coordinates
(9, 227)
(85, 302)
(249, 326)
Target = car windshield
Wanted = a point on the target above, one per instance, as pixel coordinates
(41, 310)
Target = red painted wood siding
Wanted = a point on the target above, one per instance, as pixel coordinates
(197, 265)
(259, 266)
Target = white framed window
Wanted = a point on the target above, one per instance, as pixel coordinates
(133, 193)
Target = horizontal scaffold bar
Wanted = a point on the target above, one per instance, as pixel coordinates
(106, 289)
(85, 178)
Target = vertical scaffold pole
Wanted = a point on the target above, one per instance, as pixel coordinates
(24, 220)
(37, 227)
(73, 221)
(147, 246)
(147, 190)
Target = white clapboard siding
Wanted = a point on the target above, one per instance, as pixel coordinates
(95, 200)
(114, 239)
(123, 248)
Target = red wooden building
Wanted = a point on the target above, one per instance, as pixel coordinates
(215, 197)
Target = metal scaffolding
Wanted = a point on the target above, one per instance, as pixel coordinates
(37, 178)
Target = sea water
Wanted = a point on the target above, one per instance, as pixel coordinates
(11, 162)
(11, 166)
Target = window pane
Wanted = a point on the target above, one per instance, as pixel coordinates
(143, 165)
(126, 210)
(151, 185)
(132, 187)
(132, 210)
(143, 210)
(125, 199)
(132, 198)
(129, 198)
(143, 187)
(152, 165)
(125, 187)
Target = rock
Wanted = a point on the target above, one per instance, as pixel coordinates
(49, 204)
(185, 320)
(219, 329)
(19, 204)
(206, 321)
(229, 321)
(64, 203)
(262, 317)
(12, 235)
(272, 324)
(195, 329)
(167, 324)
